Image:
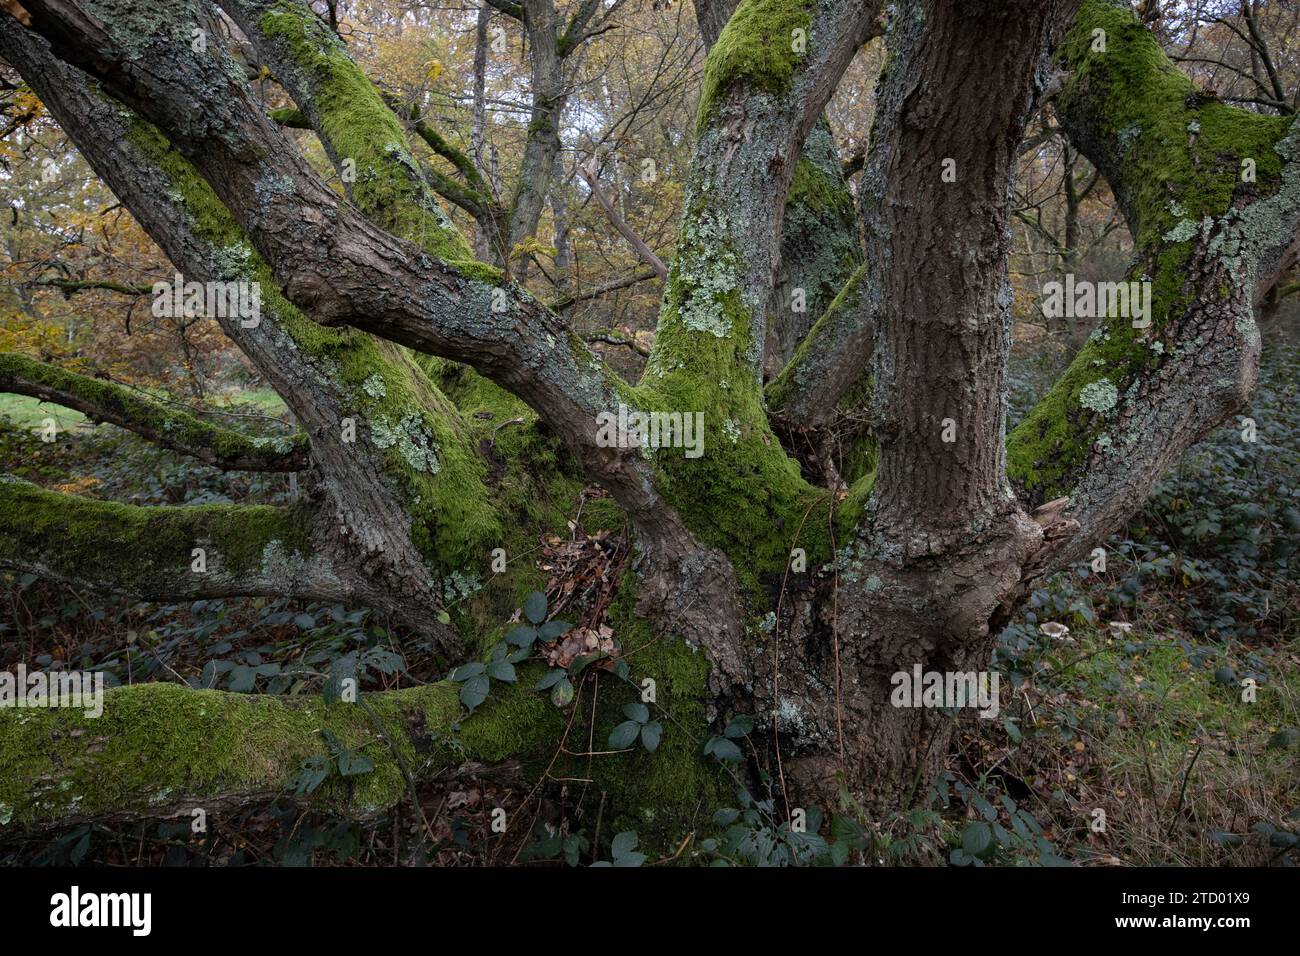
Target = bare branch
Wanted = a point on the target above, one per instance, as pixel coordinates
(588, 174)
(603, 288)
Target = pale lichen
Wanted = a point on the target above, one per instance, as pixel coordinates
(1099, 396)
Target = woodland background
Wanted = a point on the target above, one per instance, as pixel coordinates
(1133, 702)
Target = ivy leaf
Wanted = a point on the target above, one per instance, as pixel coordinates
(621, 737)
(582, 662)
(1012, 730)
(535, 607)
(637, 711)
(573, 845)
(1224, 838)
(312, 774)
(474, 691)
(849, 832)
(553, 629)
(352, 764)
(242, 679)
(723, 749)
(523, 636)
(1283, 738)
(651, 734)
(977, 839)
(624, 843)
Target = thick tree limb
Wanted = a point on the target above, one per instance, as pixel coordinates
(163, 750)
(752, 125)
(831, 359)
(935, 193)
(820, 250)
(346, 271)
(105, 401)
(149, 552)
(1209, 239)
(712, 16)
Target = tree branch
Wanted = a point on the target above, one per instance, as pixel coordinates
(1210, 243)
(162, 750)
(381, 501)
(105, 401)
(510, 9)
(337, 264)
(603, 288)
(615, 338)
(588, 174)
(70, 287)
(148, 553)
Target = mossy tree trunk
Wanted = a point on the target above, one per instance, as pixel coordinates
(377, 312)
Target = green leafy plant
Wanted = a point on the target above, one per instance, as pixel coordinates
(638, 724)
(723, 748)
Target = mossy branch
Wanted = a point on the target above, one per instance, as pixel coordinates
(291, 117)
(163, 553)
(515, 10)
(161, 750)
(354, 124)
(69, 287)
(105, 401)
(1212, 196)
(440, 145)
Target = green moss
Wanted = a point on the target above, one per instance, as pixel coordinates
(290, 116)
(162, 743)
(675, 790)
(156, 743)
(798, 370)
(1181, 151)
(756, 47)
(136, 548)
(818, 190)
